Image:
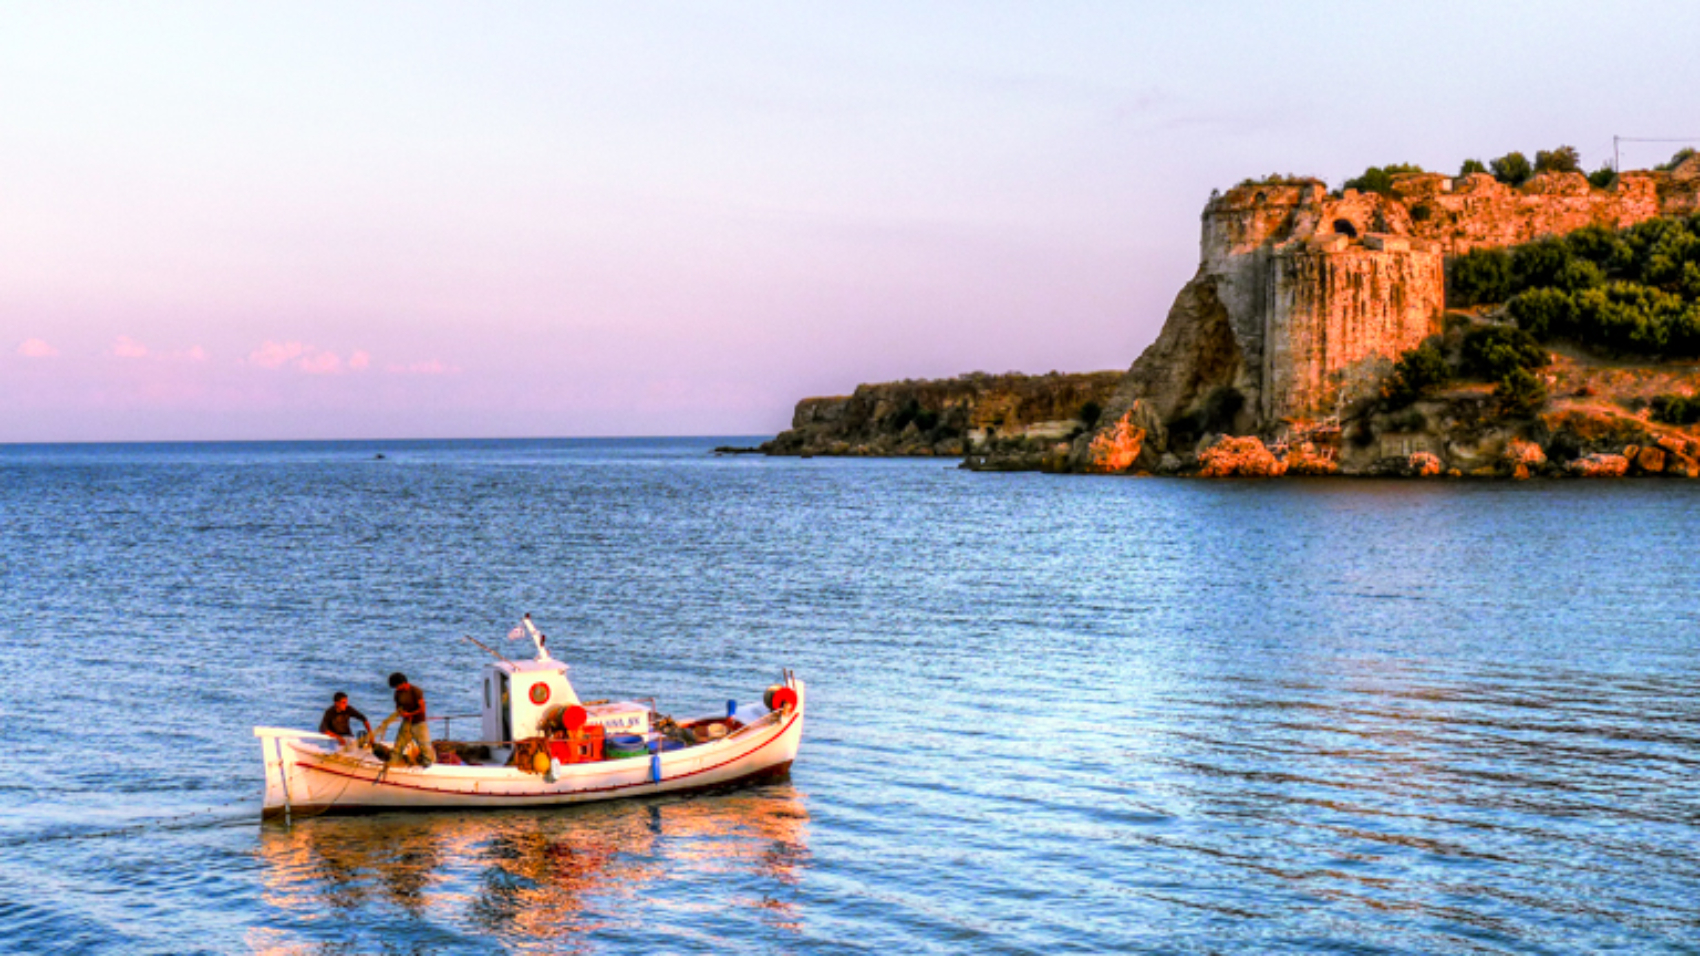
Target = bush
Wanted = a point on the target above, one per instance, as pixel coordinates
(1379, 179)
(1479, 277)
(1633, 291)
(1520, 393)
(1564, 159)
(1417, 371)
(1512, 169)
(1603, 178)
(1677, 160)
(1472, 166)
(1543, 313)
(1491, 352)
(1676, 409)
(1089, 413)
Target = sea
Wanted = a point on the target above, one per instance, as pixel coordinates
(1047, 714)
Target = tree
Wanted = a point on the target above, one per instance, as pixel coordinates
(1417, 371)
(1520, 392)
(1472, 166)
(1564, 159)
(1603, 178)
(1512, 169)
(1479, 277)
(1491, 352)
(1677, 160)
(1379, 179)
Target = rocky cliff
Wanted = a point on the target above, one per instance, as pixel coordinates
(1022, 416)
(1304, 298)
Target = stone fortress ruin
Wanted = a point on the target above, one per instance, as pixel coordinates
(1303, 299)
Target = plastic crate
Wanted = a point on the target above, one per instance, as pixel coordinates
(580, 746)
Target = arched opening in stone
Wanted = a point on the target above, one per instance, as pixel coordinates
(1260, 198)
(1345, 228)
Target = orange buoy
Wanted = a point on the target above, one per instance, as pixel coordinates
(784, 698)
(574, 717)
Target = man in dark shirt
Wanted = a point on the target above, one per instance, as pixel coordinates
(337, 716)
(410, 705)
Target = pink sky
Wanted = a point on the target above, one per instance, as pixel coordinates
(385, 220)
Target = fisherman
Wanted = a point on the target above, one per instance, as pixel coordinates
(337, 716)
(410, 706)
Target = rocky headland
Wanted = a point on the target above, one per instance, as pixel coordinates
(1430, 326)
(1028, 415)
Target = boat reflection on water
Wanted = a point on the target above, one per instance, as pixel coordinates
(541, 875)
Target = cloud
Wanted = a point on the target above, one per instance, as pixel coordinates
(126, 347)
(431, 367)
(275, 354)
(307, 358)
(320, 363)
(36, 348)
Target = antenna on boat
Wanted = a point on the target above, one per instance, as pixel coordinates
(536, 637)
(487, 647)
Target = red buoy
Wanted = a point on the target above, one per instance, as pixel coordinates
(784, 698)
(574, 717)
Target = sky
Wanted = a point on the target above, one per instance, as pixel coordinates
(424, 220)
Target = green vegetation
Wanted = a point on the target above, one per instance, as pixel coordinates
(1090, 413)
(1491, 352)
(1603, 178)
(1379, 179)
(1278, 179)
(1677, 160)
(1520, 392)
(1472, 166)
(1634, 291)
(1564, 159)
(1676, 409)
(1512, 169)
(1417, 371)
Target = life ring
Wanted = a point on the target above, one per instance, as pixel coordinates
(574, 717)
(784, 698)
(539, 693)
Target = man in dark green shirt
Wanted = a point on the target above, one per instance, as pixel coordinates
(337, 716)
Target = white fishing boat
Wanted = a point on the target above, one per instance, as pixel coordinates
(539, 745)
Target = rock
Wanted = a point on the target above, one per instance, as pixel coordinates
(1599, 466)
(1682, 466)
(1243, 457)
(1307, 458)
(1425, 465)
(1132, 443)
(1651, 460)
(1523, 457)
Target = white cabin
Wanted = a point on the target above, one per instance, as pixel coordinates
(517, 693)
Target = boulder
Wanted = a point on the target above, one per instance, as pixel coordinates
(1244, 457)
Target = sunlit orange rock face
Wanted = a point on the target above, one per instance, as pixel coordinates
(1116, 449)
(1240, 458)
(1306, 458)
(1600, 466)
(1424, 465)
(1523, 455)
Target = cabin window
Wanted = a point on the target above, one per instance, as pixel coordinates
(486, 693)
(1345, 228)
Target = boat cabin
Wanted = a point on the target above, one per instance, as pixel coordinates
(519, 696)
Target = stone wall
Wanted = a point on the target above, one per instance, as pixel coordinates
(1338, 313)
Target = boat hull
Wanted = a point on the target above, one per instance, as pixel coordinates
(306, 779)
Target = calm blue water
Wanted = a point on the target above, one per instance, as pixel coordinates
(1048, 714)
